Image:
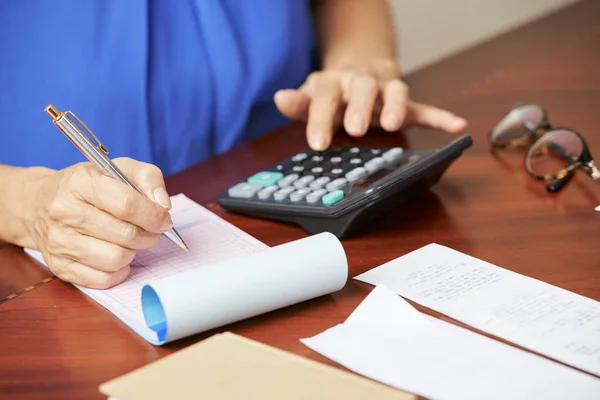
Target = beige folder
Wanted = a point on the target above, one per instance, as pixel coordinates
(227, 366)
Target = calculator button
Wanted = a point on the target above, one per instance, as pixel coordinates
(332, 197)
(337, 171)
(244, 190)
(304, 181)
(319, 183)
(356, 174)
(375, 152)
(354, 150)
(267, 192)
(299, 194)
(265, 178)
(317, 158)
(317, 170)
(336, 184)
(281, 194)
(375, 164)
(315, 196)
(393, 155)
(298, 168)
(355, 161)
(287, 180)
(299, 157)
(335, 160)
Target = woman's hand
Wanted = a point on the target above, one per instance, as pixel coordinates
(357, 98)
(88, 226)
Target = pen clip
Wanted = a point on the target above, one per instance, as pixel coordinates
(100, 145)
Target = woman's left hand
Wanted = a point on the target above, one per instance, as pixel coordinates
(359, 97)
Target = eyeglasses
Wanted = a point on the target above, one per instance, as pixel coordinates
(554, 154)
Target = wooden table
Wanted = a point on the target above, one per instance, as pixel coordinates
(57, 343)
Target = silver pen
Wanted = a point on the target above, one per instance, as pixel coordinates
(96, 154)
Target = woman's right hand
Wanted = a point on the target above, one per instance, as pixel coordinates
(88, 226)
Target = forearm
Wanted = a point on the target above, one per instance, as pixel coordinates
(355, 32)
(16, 186)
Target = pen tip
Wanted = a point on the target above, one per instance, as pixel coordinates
(184, 246)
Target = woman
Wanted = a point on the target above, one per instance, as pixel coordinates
(166, 86)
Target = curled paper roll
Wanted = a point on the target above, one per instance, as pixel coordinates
(226, 292)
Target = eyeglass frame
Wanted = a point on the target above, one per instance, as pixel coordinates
(584, 161)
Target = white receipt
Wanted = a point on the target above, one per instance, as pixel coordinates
(541, 317)
(171, 293)
(387, 340)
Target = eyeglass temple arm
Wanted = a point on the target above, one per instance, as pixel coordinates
(558, 184)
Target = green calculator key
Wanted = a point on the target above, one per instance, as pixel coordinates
(266, 178)
(333, 197)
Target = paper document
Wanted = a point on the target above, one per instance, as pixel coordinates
(226, 276)
(230, 367)
(388, 340)
(541, 317)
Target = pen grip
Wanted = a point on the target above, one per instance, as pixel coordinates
(116, 173)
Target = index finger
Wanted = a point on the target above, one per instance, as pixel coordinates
(322, 112)
(121, 201)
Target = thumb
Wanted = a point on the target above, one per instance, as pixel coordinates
(292, 103)
(148, 178)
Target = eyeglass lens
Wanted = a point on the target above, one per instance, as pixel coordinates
(553, 152)
(517, 124)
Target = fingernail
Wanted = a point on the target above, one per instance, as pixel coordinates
(167, 224)
(317, 141)
(391, 121)
(459, 123)
(355, 124)
(161, 197)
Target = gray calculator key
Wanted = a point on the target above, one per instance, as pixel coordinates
(281, 194)
(356, 174)
(267, 192)
(317, 158)
(244, 190)
(355, 150)
(317, 170)
(337, 171)
(298, 168)
(375, 164)
(336, 160)
(336, 184)
(355, 161)
(393, 155)
(319, 183)
(299, 157)
(304, 181)
(287, 180)
(299, 194)
(315, 196)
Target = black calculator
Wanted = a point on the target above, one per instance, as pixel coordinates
(342, 188)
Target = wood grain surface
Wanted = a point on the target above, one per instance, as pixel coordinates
(56, 343)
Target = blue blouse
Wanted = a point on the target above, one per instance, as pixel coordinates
(165, 82)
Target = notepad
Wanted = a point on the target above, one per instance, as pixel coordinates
(231, 367)
(226, 276)
(388, 340)
(544, 318)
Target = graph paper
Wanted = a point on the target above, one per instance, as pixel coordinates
(210, 239)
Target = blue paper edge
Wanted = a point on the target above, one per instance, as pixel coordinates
(154, 313)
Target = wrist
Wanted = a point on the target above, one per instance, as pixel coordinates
(21, 192)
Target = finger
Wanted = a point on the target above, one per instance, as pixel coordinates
(95, 253)
(82, 275)
(361, 99)
(293, 104)
(395, 99)
(322, 112)
(120, 200)
(91, 221)
(433, 117)
(147, 177)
